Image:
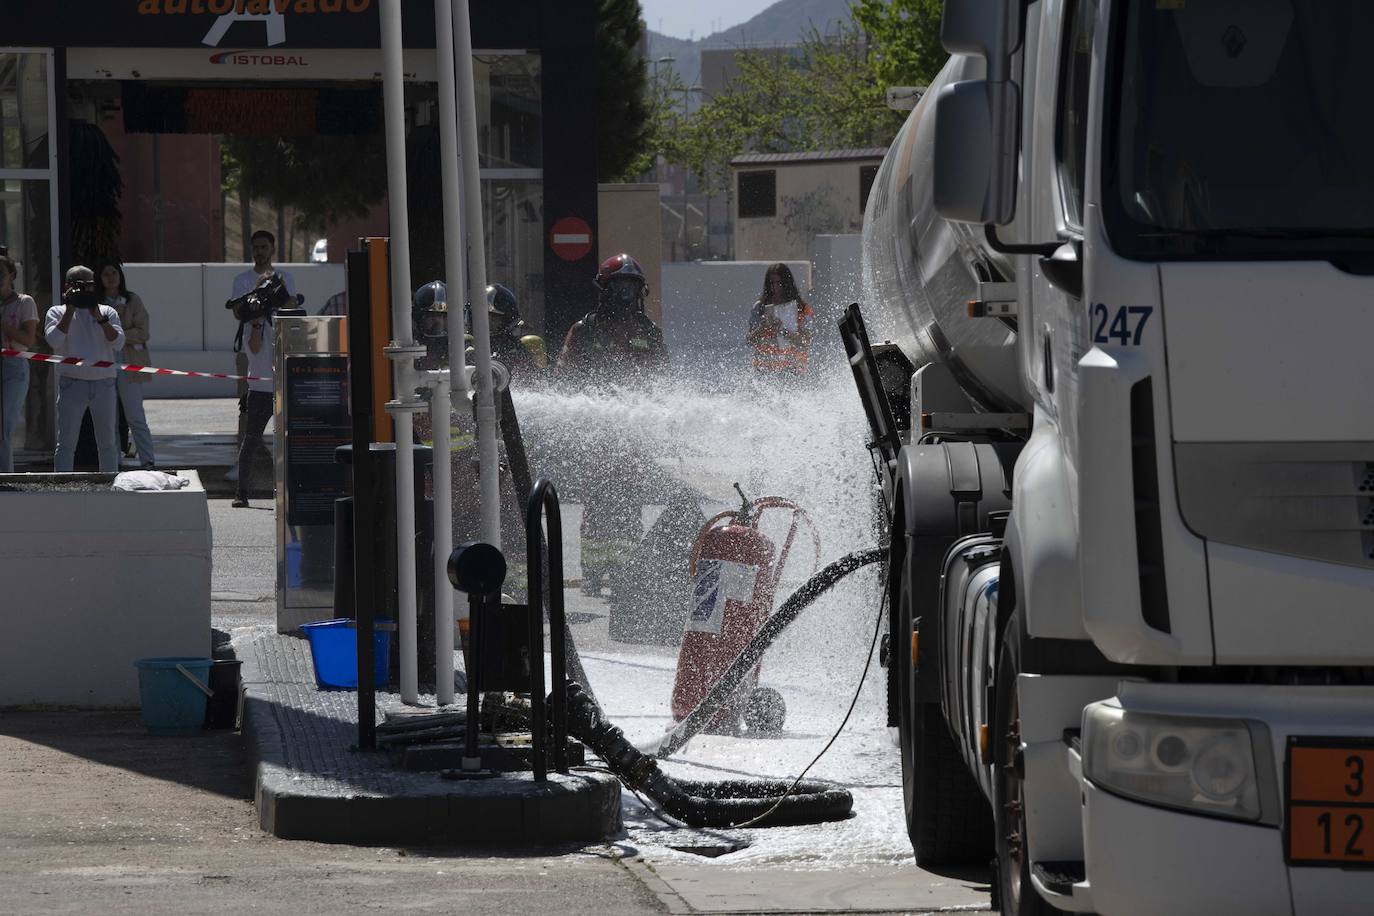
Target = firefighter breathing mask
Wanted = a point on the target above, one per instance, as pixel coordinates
(623, 294)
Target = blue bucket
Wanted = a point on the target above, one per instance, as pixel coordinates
(172, 703)
(334, 650)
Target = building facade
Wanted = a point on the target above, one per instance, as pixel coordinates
(161, 82)
(782, 201)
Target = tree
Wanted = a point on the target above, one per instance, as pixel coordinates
(905, 36)
(622, 115)
(823, 94)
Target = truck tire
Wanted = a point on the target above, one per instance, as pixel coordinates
(1014, 889)
(947, 817)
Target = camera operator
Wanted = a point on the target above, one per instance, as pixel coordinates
(83, 328)
(264, 247)
(257, 402)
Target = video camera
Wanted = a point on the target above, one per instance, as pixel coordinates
(80, 294)
(262, 300)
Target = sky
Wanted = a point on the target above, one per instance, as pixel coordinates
(698, 18)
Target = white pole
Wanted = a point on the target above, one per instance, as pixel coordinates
(439, 410)
(490, 487)
(452, 183)
(403, 350)
(455, 283)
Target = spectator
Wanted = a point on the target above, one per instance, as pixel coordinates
(83, 328)
(264, 247)
(18, 331)
(257, 406)
(134, 317)
(780, 325)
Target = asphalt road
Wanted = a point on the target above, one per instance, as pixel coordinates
(99, 817)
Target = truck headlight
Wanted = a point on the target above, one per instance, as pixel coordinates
(1188, 762)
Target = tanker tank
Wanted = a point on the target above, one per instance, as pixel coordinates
(920, 270)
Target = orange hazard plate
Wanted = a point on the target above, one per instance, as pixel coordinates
(1330, 793)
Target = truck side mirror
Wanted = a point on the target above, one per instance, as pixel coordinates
(977, 138)
(990, 29)
(976, 144)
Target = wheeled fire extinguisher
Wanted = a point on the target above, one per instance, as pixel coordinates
(734, 576)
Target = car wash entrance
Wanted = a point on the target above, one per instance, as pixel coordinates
(138, 128)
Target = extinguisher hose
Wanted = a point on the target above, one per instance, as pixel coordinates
(724, 690)
(728, 803)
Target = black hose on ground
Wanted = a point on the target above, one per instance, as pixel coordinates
(724, 690)
(766, 803)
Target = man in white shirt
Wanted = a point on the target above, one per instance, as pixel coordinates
(264, 247)
(84, 328)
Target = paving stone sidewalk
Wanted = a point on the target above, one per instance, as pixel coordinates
(313, 783)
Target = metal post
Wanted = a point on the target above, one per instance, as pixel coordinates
(489, 480)
(439, 410)
(545, 499)
(402, 351)
(472, 755)
(454, 246)
(364, 525)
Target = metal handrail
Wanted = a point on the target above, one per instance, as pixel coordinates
(543, 506)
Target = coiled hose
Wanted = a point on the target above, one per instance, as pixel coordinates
(765, 803)
(732, 802)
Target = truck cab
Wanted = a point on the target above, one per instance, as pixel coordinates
(1150, 648)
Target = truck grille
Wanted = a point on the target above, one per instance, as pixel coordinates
(1312, 500)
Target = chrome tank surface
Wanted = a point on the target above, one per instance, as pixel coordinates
(920, 270)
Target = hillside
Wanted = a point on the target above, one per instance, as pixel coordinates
(780, 24)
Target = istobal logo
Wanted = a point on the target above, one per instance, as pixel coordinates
(244, 58)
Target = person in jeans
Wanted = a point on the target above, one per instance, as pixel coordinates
(134, 317)
(257, 406)
(264, 246)
(84, 328)
(18, 331)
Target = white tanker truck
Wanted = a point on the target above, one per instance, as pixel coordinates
(1129, 245)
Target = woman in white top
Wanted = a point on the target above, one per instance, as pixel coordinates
(114, 291)
(18, 331)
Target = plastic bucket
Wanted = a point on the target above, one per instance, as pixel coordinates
(222, 709)
(334, 650)
(172, 703)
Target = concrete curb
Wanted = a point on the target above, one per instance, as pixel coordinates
(343, 796)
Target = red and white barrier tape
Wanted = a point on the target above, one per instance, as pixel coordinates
(107, 364)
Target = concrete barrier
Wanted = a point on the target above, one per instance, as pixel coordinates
(191, 328)
(96, 579)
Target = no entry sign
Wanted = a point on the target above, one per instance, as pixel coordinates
(571, 238)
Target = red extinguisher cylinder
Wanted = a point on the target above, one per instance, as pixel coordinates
(732, 595)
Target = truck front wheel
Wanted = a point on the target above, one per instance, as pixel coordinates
(1018, 896)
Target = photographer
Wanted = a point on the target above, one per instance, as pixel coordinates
(83, 328)
(264, 246)
(257, 403)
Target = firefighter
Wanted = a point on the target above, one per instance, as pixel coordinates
(429, 323)
(780, 325)
(615, 341)
(513, 342)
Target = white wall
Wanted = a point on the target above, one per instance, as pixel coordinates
(818, 197)
(109, 578)
(706, 309)
(190, 327)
